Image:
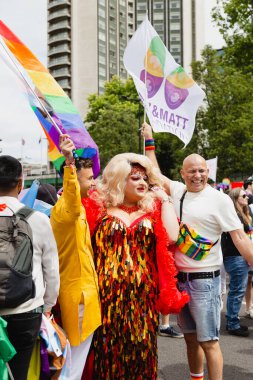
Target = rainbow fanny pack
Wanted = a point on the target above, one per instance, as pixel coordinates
(190, 242)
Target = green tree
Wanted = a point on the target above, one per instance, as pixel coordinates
(227, 79)
(113, 119)
(115, 131)
(115, 92)
(235, 21)
(228, 115)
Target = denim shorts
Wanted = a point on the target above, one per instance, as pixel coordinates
(201, 315)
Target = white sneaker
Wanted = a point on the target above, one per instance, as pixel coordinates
(249, 313)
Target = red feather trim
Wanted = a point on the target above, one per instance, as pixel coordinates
(93, 213)
(170, 300)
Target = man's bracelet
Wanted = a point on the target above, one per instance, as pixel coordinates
(150, 144)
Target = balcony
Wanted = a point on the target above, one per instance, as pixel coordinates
(59, 14)
(59, 37)
(60, 49)
(62, 61)
(64, 83)
(59, 26)
(61, 73)
(58, 4)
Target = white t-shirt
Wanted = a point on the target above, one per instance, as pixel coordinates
(209, 212)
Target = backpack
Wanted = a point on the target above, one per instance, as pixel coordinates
(16, 259)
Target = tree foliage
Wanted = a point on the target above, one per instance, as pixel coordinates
(228, 115)
(227, 79)
(113, 119)
(235, 21)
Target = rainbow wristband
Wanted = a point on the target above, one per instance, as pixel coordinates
(149, 147)
(150, 144)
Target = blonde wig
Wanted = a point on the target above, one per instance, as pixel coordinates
(111, 186)
(242, 211)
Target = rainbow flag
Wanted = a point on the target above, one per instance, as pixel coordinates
(55, 101)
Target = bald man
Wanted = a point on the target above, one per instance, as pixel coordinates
(209, 213)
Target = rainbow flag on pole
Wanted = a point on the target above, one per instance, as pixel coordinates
(55, 100)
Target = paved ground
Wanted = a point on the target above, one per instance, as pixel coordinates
(237, 352)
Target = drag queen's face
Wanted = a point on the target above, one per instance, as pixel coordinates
(136, 185)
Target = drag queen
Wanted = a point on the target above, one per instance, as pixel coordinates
(132, 223)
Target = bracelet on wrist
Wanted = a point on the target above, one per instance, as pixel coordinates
(167, 199)
(150, 144)
(150, 147)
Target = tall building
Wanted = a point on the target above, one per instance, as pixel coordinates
(86, 43)
(59, 42)
(87, 38)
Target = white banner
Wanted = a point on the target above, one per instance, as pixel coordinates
(171, 98)
(212, 166)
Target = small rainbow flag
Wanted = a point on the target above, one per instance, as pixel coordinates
(57, 103)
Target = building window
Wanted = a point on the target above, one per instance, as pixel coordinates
(102, 72)
(158, 16)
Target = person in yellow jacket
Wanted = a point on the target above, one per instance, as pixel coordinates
(79, 294)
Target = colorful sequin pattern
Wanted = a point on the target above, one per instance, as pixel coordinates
(125, 346)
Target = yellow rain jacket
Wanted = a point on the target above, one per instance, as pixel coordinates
(78, 277)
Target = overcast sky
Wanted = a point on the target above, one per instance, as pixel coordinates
(212, 35)
(27, 19)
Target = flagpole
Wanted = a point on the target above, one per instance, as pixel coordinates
(35, 95)
(146, 67)
(41, 155)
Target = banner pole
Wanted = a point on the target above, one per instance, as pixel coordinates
(146, 67)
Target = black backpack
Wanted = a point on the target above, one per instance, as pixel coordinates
(16, 259)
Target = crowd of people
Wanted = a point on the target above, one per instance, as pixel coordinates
(118, 251)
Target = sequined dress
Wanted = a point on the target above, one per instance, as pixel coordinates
(125, 346)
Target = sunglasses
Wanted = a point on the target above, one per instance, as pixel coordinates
(243, 196)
